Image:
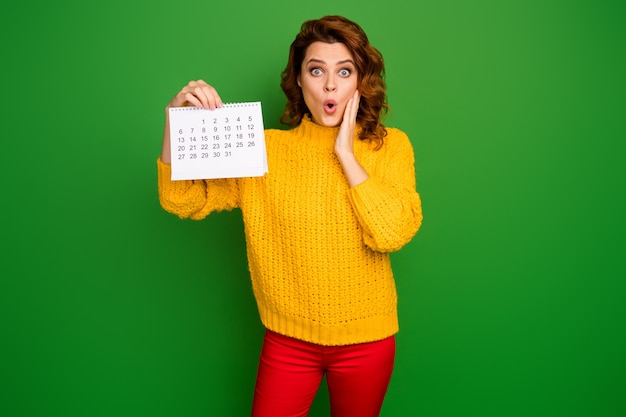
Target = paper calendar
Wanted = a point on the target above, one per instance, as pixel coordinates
(228, 142)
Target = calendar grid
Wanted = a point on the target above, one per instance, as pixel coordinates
(227, 142)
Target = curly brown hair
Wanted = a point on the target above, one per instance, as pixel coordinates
(370, 70)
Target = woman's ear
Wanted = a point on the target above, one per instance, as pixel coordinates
(298, 80)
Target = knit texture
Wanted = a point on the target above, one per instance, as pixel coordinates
(318, 250)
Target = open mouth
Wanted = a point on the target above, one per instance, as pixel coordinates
(330, 106)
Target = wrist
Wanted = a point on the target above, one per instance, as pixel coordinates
(345, 156)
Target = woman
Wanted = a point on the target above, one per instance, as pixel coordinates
(338, 197)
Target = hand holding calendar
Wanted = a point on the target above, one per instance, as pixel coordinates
(227, 142)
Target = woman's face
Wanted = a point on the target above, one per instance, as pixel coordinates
(328, 79)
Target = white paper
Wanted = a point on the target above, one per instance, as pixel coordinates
(228, 142)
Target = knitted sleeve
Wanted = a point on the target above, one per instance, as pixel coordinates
(387, 204)
(195, 199)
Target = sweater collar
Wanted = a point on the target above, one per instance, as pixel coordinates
(308, 129)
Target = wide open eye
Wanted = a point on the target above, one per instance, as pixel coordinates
(316, 71)
(344, 72)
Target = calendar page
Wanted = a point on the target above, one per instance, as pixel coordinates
(228, 142)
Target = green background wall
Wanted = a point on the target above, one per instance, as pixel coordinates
(511, 295)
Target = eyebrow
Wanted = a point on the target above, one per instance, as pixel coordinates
(345, 61)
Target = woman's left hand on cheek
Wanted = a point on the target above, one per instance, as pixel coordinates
(345, 138)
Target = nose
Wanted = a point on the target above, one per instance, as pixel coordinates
(330, 85)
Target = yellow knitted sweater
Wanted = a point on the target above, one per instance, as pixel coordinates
(318, 250)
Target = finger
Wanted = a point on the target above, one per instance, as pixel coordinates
(193, 100)
(207, 94)
(356, 100)
(199, 94)
(350, 113)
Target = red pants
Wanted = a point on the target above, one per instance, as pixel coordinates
(290, 373)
